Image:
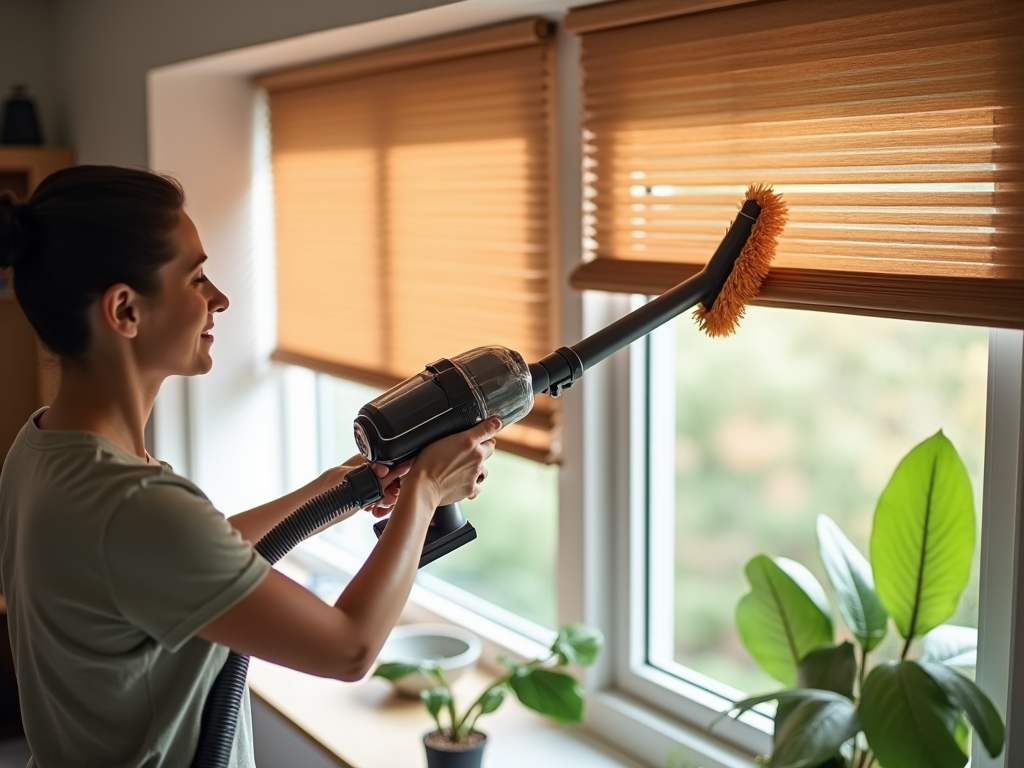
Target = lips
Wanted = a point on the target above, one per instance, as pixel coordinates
(206, 333)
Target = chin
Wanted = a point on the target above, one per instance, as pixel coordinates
(203, 364)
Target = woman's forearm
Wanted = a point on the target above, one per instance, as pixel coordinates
(374, 598)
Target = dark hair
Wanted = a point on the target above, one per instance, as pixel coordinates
(83, 230)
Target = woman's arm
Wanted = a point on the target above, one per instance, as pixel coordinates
(283, 623)
(256, 522)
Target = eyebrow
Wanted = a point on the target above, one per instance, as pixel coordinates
(200, 260)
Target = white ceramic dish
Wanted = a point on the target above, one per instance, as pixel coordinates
(453, 648)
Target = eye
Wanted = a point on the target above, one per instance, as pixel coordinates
(201, 279)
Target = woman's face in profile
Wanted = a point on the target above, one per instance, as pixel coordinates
(176, 334)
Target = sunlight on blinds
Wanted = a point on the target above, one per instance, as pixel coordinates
(892, 129)
(471, 239)
(412, 218)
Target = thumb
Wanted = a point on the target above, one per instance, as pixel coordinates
(485, 430)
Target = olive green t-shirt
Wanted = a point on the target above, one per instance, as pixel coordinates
(110, 567)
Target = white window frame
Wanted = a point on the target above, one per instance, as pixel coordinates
(217, 428)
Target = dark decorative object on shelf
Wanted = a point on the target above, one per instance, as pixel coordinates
(20, 125)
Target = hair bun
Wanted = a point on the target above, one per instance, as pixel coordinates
(14, 234)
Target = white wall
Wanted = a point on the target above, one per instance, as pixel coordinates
(104, 48)
(27, 58)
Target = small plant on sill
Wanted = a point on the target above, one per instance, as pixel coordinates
(543, 684)
(838, 709)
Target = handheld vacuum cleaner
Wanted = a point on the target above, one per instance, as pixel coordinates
(452, 394)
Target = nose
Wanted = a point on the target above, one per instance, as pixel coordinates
(217, 302)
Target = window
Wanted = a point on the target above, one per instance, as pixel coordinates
(412, 223)
(887, 127)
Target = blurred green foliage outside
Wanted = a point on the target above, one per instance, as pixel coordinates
(801, 414)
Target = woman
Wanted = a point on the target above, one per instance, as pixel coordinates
(125, 587)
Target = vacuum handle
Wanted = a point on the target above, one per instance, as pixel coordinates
(447, 518)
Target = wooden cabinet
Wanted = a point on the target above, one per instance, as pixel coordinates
(27, 377)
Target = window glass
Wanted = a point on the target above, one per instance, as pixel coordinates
(512, 561)
(799, 414)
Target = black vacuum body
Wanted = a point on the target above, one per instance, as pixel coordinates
(448, 396)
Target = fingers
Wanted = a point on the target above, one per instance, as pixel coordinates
(390, 479)
(485, 430)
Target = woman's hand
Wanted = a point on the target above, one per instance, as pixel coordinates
(453, 467)
(390, 480)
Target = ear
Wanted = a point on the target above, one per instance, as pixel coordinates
(119, 310)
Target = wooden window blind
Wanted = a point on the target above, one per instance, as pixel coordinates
(413, 210)
(893, 128)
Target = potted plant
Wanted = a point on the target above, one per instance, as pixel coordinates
(542, 684)
(841, 707)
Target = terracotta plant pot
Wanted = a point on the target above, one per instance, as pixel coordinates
(443, 753)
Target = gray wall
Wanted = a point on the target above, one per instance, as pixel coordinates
(86, 60)
(26, 58)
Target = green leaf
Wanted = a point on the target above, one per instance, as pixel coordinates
(831, 669)
(907, 719)
(980, 711)
(962, 734)
(951, 645)
(396, 670)
(922, 539)
(795, 694)
(578, 644)
(435, 699)
(491, 700)
(814, 732)
(554, 694)
(782, 619)
(850, 575)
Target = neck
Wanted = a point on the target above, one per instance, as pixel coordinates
(109, 397)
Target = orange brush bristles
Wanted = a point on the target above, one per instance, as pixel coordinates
(751, 267)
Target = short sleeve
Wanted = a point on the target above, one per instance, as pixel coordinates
(175, 563)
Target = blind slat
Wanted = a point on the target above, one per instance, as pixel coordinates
(974, 299)
(480, 41)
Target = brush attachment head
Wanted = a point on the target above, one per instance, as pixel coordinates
(751, 267)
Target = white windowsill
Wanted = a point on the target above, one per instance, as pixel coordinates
(367, 725)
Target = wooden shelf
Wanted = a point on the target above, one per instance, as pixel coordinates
(36, 163)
